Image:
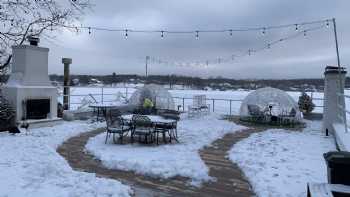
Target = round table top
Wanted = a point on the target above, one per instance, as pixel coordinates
(153, 118)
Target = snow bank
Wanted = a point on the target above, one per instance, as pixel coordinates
(30, 166)
(280, 162)
(165, 161)
(342, 137)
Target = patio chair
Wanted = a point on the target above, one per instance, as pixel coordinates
(199, 106)
(255, 113)
(290, 118)
(116, 125)
(174, 115)
(142, 126)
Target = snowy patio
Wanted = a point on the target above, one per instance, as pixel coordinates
(30, 165)
(276, 162)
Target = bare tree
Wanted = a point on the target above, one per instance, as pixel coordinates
(22, 18)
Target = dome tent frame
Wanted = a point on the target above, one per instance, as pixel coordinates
(270, 106)
(160, 97)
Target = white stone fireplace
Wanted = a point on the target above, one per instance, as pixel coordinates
(29, 88)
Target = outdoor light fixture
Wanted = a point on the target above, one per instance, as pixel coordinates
(126, 33)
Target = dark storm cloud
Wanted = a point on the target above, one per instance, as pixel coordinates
(107, 52)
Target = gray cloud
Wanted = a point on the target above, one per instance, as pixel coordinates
(107, 52)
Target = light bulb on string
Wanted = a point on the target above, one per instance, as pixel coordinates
(230, 32)
(304, 32)
(89, 30)
(162, 35)
(327, 23)
(296, 27)
(249, 52)
(264, 31)
(269, 46)
(126, 33)
(197, 35)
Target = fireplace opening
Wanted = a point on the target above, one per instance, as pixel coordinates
(37, 108)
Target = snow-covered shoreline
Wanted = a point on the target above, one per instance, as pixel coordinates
(169, 160)
(280, 163)
(30, 166)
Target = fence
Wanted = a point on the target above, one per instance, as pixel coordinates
(108, 94)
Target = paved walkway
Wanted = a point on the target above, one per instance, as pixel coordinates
(229, 179)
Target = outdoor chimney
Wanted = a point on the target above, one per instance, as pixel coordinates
(29, 88)
(34, 41)
(332, 100)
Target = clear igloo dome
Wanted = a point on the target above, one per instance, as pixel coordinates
(160, 97)
(264, 103)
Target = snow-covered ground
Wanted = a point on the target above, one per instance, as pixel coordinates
(280, 163)
(168, 160)
(30, 166)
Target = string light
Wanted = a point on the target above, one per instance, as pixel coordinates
(322, 24)
(89, 30)
(263, 29)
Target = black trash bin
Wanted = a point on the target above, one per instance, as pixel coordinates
(338, 163)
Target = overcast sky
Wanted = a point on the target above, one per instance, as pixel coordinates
(106, 52)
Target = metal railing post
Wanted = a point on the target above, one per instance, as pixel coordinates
(213, 105)
(102, 95)
(183, 104)
(126, 92)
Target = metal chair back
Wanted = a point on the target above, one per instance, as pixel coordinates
(114, 119)
(141, 121)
